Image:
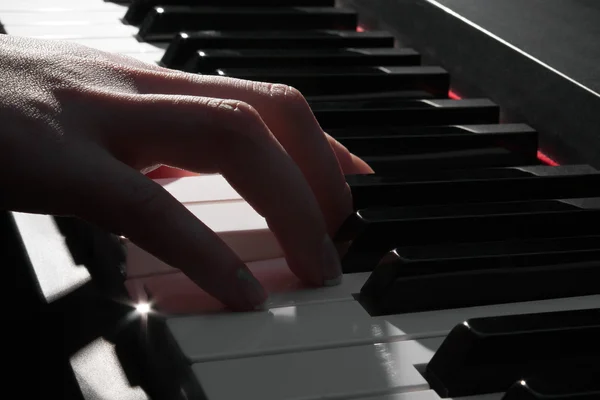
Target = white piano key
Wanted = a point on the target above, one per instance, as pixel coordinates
(374, 369)
(45, 6)
(235, 222)
(175, 293)
(62, 32)
(197, 189)
(120, 45)
(56, 271)
(33, 5)
(420, 395)
(306, 327)
(61, 18)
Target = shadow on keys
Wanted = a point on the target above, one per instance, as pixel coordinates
(72, 334)
(76, 332)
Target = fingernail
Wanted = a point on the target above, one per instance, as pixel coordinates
(332, 268)
(252, 290)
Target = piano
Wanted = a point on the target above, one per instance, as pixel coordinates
(473, 266)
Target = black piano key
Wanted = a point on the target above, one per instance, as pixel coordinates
(185, 44)
(138, 9)
(400, 284)
(392, 96)
(388, 155)
(369, 101)
(566, 382)
(374, 113)
(467, 174)
(534, 187)
(2, 30)
(162, 23)
(323, 81)
(487, 355)
(375, 231)
(208, 61)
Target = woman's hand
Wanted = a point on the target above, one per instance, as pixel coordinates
(78, 125)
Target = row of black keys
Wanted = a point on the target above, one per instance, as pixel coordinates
(545, 356)
(474, 236)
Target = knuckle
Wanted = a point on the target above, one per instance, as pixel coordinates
(145, 199)
(237, 113)
(286, 95)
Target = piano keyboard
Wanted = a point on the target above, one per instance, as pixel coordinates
(472, 267)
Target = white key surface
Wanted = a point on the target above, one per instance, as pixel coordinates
(332, 373)
(61, 18)
(303, 319)
(196, 189)
(175, 293)
(56, 271)
(235, 222)
(64, 32)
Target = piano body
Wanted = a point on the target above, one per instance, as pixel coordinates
(474, 264)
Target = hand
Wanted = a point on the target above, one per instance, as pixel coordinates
(80, 127)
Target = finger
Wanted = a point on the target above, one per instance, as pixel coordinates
(349, 163)
(229, 137)
(82, 180)
(290, 119)
(133, 205)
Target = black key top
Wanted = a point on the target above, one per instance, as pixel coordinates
(495, 146)
(535, 187)
(351, 102)
(375, 231)
(467, 174)
(184, 44)
(364, 131)
(162, 23)
(138, 9)
(402, 112)
(566, 382)
(487, 355)
(497, 248)
(400, 284)
(324, 81)
(389, 155)
(413, 95)
(208, 61)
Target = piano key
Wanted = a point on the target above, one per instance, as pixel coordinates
(74, 18)
(121, 45)
(140, 8)
(566, 382)
(486, 355)
(532, 245)
(401, 284)
(534, 187)
(483, 157)
(466, 174)
(403, 112)
(199, 189)
(312, 326)
(208, 61)
(374, 370)
(319, 81)
(237, 224)
(164, 22)
(375, 231)
(173, 293)
(185, 44)
(43, 6)
(69, 32)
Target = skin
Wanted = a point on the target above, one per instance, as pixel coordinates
(80, 128)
